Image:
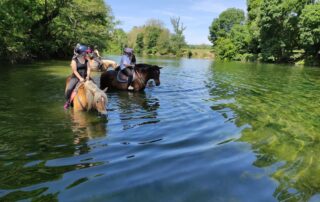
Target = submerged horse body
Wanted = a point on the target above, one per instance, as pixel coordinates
(142, 74)
(88, 96)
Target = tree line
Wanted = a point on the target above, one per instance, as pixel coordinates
(41, 29)
(152, 38)
(285, 31)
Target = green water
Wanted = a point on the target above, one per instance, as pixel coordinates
(210, 132)
(281, 105)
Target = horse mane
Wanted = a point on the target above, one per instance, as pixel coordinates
(93, 93)
(143, 66)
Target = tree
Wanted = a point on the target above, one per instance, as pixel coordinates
(118, 41)
(139, 44)
(44, 29)
(279, 32)
(177, 39)
(225, 49)
(222, 26)
(153, 29)
(309, 27)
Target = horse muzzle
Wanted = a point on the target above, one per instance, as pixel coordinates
(103, 113)
(157, 82)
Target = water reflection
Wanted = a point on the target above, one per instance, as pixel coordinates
(280, 105)
(137, 109)
(87, 126)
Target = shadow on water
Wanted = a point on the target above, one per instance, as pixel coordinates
(35, 129)
(281, 106)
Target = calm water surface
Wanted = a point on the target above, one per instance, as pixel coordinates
(210, 132)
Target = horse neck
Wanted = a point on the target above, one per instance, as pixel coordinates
(93, 93)
(142, 76)
(82, 97)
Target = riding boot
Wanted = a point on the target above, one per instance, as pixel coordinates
(130, 78)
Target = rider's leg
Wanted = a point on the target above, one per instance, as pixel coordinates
(127, 71)
(72, 84)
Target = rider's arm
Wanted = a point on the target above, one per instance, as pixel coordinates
(88, 71)
(74, 70)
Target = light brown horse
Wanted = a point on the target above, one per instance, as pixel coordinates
(94, 65)
(143, 73)
(109, 63)
(88, 96)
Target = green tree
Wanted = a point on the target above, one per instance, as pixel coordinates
(118, 41)
(152, 32)
(309, 24)
(44, 29)
(222, 26)
(139, 44)
(177, 39)
(163, 44)
(225, 49)
(279, 32)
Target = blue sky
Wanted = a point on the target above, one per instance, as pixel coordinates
(196, 15)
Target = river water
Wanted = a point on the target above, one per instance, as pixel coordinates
(210, 132)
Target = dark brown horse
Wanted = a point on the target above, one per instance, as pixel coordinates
(143, 73)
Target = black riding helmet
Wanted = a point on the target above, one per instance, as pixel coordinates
(81, 49)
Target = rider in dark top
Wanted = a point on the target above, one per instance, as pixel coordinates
(80, 69)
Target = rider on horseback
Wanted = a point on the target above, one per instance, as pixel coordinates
(96, 57)
(126, 65)
(80, 69)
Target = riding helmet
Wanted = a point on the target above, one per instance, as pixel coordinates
(128, 50)
(82, 49)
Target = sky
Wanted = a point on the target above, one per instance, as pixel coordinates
(196, 15)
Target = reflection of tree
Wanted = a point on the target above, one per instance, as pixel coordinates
(281, 107)
(137, 109)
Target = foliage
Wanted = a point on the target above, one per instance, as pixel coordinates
(139, 43)
(154, 38)
(225, 49)
(177, 39)
(275, 31)
(118, 41)
(222, 26)
(43, 29)
(309, 25)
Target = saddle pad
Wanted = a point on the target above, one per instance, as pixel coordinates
(122, 78)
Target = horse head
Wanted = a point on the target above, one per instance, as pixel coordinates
(155, 74)
(97, 98)
(152, 72)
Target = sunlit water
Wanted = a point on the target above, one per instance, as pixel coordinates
(210, 132)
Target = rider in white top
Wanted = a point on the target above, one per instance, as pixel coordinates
(126, 66)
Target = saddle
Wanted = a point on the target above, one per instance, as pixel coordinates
(122, 78)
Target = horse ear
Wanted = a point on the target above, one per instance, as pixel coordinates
(105, 90)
